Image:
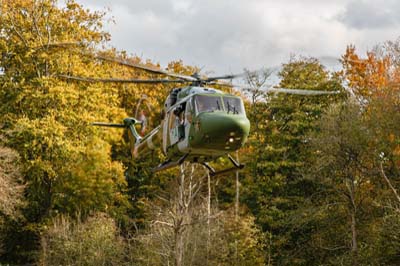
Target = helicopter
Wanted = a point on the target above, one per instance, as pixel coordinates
(199, 124)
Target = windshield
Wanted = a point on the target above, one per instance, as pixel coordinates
(208, 103)
(233, 105)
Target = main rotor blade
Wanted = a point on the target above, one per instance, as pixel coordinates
(282, 90)
(300, 92)
(220, 84)
(233, 76)
(101, 124)
(146, 68)
(117, 80)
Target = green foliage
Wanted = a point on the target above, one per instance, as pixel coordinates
(343, 164)
(388, 245)
(275, 189)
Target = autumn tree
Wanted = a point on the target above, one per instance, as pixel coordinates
(368, 133)
(374, 75)
(365, 76)
(65, 162)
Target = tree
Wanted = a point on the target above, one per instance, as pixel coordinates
(374, 76)
(374, 81)
(186, 227)
(383, 118)
(65, 161)
(365, 76)
(275, 189)
(344, 163)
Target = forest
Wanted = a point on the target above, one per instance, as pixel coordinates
(320, 186)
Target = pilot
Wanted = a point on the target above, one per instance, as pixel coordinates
(180, 121)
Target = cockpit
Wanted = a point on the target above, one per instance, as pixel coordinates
(229, 104)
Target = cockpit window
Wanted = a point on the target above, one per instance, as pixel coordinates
(233, 105)
(208, 103)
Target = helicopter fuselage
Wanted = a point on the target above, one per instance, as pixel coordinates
(203, 124)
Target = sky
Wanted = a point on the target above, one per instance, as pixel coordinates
(226, 36)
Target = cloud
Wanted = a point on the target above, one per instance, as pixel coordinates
(229, 35)
(371, 14)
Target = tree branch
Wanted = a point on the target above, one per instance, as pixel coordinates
(389, 183)
(163, 223)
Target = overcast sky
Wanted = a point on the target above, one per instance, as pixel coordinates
(225, 36)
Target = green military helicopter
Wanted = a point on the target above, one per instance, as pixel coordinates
(199, 124)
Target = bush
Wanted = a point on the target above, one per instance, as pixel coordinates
(10, 182)
(92, 242)
(225, 241)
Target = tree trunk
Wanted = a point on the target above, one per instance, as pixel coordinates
(237, 211)
(353, 211)
(354, 247)
(208, 216)
(389, 183)
(180, 212)
(178, 247)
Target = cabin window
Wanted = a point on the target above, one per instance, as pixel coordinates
(208, 103)
(233, 105)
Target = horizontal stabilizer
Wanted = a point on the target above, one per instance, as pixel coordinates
(101, 124)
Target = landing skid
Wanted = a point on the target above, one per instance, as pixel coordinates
(169, 164)
(236, 166)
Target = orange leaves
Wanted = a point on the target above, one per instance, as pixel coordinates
(366, 76)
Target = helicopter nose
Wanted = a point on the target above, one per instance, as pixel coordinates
(224, 131)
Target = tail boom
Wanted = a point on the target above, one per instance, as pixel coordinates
(138, 143)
